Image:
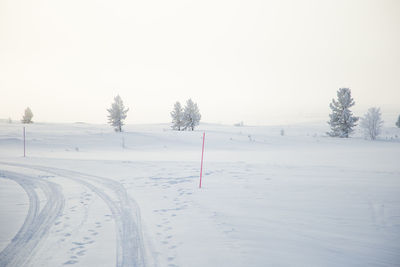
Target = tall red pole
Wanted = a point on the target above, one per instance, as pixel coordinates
(24, 141)
(202, 153)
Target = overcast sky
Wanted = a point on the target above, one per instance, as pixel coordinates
(261, 62)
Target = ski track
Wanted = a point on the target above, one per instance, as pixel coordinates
(125, 211)
(22, 248)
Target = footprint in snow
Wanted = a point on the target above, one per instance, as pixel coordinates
(75, 248)
(70, 262)
(81, 253)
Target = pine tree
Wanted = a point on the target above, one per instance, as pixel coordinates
(371, 123)
(117, 114)
(177, 116)
(191, 115)
(28, 115)
(398, 122)
(341, 119)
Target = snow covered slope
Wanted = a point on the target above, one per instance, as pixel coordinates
(87, 196)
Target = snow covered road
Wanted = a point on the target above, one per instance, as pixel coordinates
(124, 212)
(38, 222)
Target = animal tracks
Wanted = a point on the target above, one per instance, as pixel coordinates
(176, 194)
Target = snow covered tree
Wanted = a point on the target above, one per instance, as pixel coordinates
(28, 115)
(341, 119)
(117, 114)
(371, 123)
(191, 115)
(398, 122)
(177, 117)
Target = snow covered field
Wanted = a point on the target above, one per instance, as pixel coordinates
(87, 196)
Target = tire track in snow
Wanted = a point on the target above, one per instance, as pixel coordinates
(36, 226)
(130, 248)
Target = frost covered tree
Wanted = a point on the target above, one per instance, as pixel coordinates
(398, 122)
(372, 123)
(191, 115)
(117, 114)
(28, 115)
(177, 116)
(342, 120)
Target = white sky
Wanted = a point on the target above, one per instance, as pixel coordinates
(258, 61)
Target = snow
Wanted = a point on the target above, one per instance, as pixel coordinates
(302, 199)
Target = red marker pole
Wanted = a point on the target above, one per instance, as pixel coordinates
(202, 153)
(24, 142)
